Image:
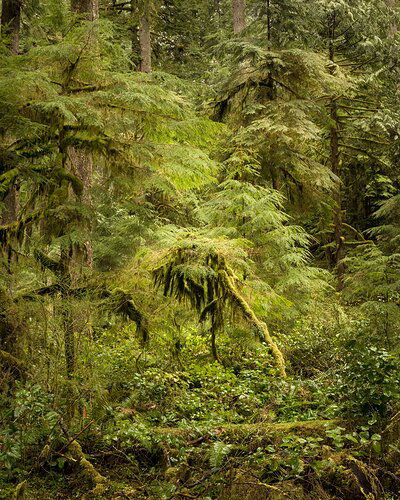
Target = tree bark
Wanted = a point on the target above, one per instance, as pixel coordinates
(11, 204)
(335, 168)
(81, 164)
(393, 25)
(145, 44)
(239, 15)
(11, 22)
(10, 28)
(88, 9)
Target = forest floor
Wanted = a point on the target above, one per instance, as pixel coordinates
(295, 460)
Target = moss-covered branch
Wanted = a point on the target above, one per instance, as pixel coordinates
(12, 362)
(75, 453)
(251, 317)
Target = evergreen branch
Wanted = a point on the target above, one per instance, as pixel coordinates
(286, 87)
(353, 108)
(153, 113)
(372, 141)
(367, 153)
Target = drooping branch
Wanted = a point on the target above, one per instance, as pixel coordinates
(207, 283)
(251, 317)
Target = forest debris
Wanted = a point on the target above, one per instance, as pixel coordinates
(365, 477)
(260, 428)
(75, 453)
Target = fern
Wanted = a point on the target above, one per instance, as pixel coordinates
(218, 453)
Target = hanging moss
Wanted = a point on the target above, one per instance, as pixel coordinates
(207, 283)
(122, 303)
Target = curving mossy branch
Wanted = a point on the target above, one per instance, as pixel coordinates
(208, 284)
(122, 303)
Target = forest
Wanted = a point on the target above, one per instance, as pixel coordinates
(200, 249)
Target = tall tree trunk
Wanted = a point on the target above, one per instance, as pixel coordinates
(239, 15)
(10, 28)
(337, 214)
(336, 170)
(145, 43)
(269, 23)
(11, 22)
(81, 165)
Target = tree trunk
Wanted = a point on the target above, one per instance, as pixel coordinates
(69, 338)
(11, 22)
(145, 44)
(335, 168)
(239, 15)
(269, 24)
(214, 350)
(337, 214)
(88, 9)
(393, 25)
(11, 204)
(81, 164)
(10, 28)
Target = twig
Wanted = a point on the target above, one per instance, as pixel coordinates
(76, 435)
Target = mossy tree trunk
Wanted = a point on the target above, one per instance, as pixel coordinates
(10, 23)
(239, 16)
(335, 162)
(251, 317)
(145, 42)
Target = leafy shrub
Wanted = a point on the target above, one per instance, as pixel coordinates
(369, 380)
(30, 420)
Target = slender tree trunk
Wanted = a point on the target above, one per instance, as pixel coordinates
(337, 214)
(145, 43)
(10, 28)
(81, 164)
(89, 9)
(69, 339)
(11, 22)
(239, 15)
(214, 350)
(393, 25)
(335, 167)
(11, 205)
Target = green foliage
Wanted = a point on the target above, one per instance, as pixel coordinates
(369, 379)
(218, 453)
(30, 420)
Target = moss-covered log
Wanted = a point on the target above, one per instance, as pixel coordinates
(76, 454)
